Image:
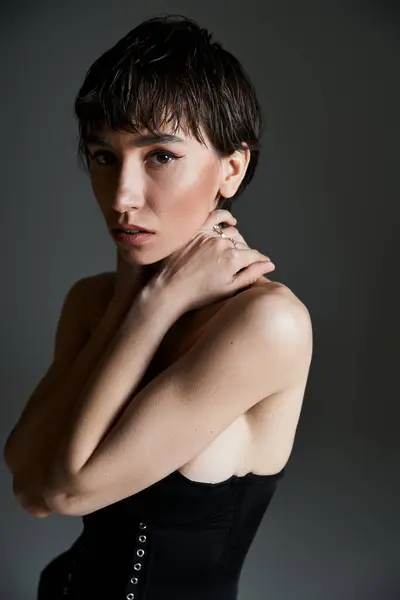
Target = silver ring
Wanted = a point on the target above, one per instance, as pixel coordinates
(218, 229)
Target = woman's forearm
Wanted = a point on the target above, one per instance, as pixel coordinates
(112, 384)
(33, 442)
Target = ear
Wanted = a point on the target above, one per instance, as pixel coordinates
(234, 168)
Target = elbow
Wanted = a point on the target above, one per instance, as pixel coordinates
(68, 493)
(65, 504)
(57, 501)
(62, 502)
(61, 495)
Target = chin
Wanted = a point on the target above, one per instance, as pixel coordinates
(142, 260)
(134, 256)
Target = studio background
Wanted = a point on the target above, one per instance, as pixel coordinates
(324, 205)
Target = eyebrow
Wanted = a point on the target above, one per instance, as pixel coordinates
(141, 140)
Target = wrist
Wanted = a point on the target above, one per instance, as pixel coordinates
(156, 297)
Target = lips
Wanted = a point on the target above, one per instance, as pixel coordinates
(132, 227)
(133, 230)
(133, 239)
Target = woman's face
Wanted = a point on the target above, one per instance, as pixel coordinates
(168, 186)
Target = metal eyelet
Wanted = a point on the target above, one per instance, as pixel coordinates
(138, 566)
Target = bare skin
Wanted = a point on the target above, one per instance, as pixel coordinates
(179, 195)
(175, 201)
(261, 440)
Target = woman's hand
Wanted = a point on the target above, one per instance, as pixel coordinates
(209, 267)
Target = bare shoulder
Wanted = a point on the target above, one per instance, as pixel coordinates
(272, 314)
(97, 291)
(100, 285)
(273, 298)
(101, 281)
(284, 314)
(264, 302)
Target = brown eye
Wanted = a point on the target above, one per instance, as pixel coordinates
(163, 154)
(99, 154)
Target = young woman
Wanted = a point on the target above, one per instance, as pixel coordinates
(169, 412)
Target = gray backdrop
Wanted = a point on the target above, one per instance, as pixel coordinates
(324, 205)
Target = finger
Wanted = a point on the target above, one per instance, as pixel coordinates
(219, 216)
(232, 232)
(244, 257)
(250, 274)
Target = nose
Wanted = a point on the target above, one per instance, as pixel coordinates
(126, 199)
(129, 192)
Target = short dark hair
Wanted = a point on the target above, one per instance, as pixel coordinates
(167, 70)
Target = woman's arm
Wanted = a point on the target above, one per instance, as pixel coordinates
(33, 441)
(119, 442)
(112, 385)
(71, 336)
